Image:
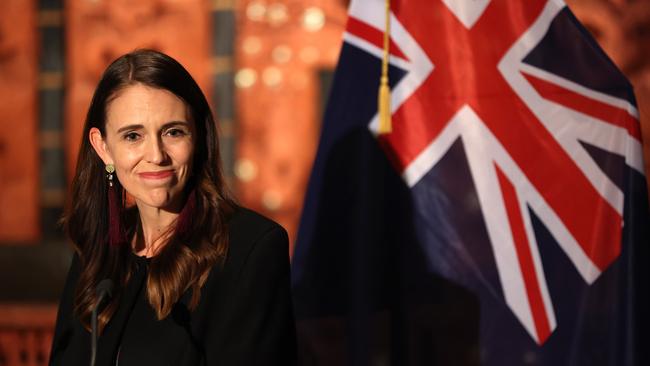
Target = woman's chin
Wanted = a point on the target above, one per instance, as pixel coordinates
(163, 200)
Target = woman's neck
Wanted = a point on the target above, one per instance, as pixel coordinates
(154, 227)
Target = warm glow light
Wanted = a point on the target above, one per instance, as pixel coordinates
(256, 10)
(281, 54)
(313, 19)
(272, 76)
(245, 170)
(277, 14)
(252, 45)
(245, 78)
(271, 199)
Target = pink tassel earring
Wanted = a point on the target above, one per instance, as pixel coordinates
(116, 235)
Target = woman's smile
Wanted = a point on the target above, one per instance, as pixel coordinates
(157, 175)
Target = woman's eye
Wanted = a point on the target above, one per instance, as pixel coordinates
(131, 136)
(175, 132)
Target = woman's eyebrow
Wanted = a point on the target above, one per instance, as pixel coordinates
(175, 123)
(165, 126)
(129, 127)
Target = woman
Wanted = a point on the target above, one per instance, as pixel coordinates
(197, 279)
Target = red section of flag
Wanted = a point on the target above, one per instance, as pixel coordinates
(372, 35)
(604, 112)
(526, 263)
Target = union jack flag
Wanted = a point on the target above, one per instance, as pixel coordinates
(517, 143)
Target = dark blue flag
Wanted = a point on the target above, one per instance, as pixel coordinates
(502, 221)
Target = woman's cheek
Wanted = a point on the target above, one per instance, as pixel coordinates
(130, 158)
(125, 162)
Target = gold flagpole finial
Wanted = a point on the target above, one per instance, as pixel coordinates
(385, 125)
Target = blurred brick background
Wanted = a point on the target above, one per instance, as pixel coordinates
(265, 66)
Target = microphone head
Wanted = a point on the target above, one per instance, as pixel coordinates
(105, 287)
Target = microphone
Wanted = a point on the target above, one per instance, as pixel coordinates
(104, 291)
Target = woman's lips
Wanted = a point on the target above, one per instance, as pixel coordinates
(156, 175)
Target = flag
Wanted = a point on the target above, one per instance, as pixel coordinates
(502, 221)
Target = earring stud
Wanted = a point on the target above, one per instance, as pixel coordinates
(110, 169)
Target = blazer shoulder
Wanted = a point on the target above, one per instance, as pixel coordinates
(248, 224)
(249, 229)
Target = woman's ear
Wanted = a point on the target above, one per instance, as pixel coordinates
(99, 144)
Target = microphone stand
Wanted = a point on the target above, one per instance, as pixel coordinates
(104, 291)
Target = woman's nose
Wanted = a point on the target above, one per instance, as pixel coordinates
(155, 153)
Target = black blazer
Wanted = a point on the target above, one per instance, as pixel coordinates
(244, 316)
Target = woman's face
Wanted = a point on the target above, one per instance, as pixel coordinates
(149, 139)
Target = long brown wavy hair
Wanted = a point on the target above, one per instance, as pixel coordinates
(185, 260)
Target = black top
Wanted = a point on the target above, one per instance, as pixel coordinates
(244, 316)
